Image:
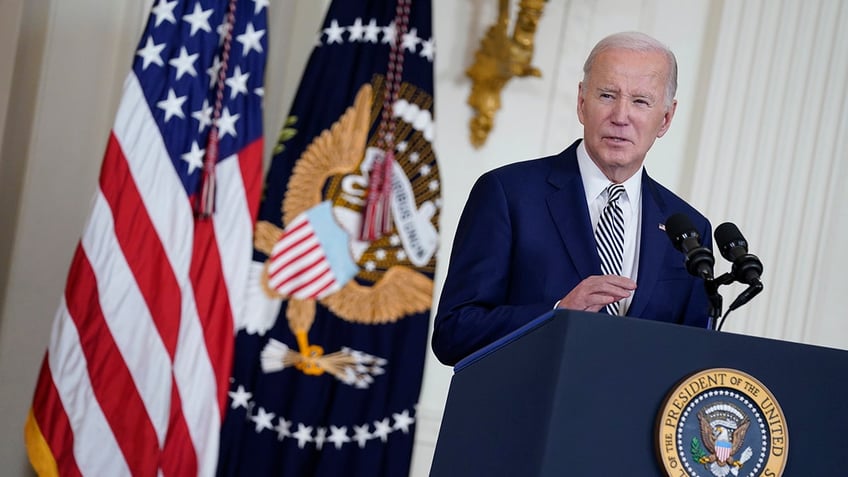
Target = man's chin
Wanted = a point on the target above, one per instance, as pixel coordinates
(616, 157)
(618, 166)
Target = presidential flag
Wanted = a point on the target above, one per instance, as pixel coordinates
(328, 368)
(135, 378)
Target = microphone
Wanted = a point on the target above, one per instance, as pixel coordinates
(699, 259)
(746, 268)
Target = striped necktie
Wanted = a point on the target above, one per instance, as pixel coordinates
(609, 235)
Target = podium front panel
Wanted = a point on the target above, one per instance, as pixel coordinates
(579, 394)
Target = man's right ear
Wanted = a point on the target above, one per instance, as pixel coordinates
(580, 101)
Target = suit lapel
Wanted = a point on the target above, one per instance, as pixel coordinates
(652, 245)
(568, 209)
(570, 213)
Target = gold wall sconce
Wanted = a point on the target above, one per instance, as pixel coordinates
(499, 58)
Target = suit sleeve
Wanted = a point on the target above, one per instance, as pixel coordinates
(473, 309)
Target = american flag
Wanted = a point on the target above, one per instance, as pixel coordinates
(135, 378)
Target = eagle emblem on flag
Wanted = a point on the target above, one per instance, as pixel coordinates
(318, 255)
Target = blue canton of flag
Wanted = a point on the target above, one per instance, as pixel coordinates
(136, 376)
(182, 93)
(328, 367)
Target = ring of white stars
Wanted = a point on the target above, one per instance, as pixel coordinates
(361, 32)
(764, 445)
(263, 420)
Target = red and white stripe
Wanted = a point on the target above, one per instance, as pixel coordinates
(722, 449)
(297, 266)
(136, 374)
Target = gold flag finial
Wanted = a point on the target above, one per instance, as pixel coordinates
(499, 58)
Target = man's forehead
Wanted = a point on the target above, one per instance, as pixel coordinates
(620, 78)
(647, 63)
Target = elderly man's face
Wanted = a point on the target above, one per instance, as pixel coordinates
(622, 108)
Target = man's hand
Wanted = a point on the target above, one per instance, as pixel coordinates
(596, 292)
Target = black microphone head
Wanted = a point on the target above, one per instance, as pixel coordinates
(730, 241)
(747, 268)
(679, 227)
(685, 237)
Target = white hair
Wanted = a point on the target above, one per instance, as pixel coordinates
(636, 41)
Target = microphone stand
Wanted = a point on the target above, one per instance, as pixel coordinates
(711, 285)
(715, 302)
(753, 289)
(716, 321)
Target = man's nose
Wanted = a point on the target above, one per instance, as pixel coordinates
(620, 111)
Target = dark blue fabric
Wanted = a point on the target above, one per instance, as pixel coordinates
(318, 406)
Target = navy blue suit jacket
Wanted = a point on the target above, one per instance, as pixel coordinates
(525, 240)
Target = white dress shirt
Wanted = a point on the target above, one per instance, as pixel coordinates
(595, 184)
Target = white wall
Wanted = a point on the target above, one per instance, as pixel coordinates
(762, 109)
(56, 125)
(771, 157)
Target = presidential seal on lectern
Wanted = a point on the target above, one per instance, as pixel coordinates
(719, 422)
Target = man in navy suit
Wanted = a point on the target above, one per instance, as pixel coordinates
(525, 243)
